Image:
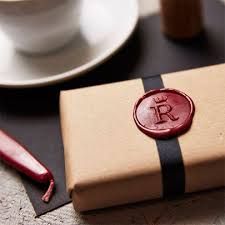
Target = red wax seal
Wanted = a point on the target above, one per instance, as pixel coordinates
(164, 113)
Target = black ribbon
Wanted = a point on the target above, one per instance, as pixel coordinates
(173, 173)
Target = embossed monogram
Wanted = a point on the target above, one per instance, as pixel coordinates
(164, 113)
(162, 108)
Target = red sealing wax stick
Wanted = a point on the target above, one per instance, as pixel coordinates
(17, 156)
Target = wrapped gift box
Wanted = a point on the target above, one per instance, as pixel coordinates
(109, 161)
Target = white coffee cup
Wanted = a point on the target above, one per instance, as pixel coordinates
(39, 26)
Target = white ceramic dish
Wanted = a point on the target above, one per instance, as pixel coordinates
(105, 26)
(40, 27)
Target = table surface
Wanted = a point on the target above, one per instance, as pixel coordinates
(197, 209)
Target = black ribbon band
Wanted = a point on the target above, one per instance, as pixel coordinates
(173, 173)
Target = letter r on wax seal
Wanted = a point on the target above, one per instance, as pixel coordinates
(164, 113)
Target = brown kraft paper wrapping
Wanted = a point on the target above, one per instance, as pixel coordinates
(110, 162)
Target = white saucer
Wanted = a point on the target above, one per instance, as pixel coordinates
(105, 27)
